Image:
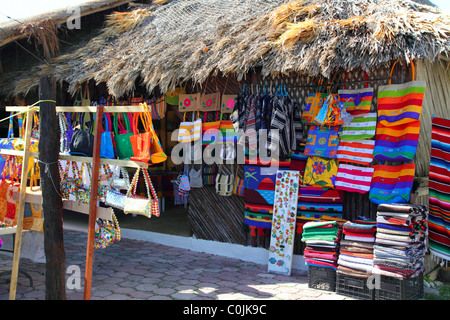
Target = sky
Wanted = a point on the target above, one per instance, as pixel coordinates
(20, 9)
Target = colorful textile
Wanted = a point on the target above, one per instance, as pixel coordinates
(439, 190)
(400, 103)
(356, 101)
(392, 184)
(320, 172)
(399, 249)
(356, 151)
(353, 179)
(361, 127)
(313, 104)
(259, 193)
(396, 143)
(322, 141)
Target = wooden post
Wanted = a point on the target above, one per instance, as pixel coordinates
(21, 207)
(52, 207)
(93, 203)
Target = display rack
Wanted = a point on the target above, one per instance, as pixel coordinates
(92, 209)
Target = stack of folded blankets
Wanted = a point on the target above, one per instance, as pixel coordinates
(322, 243)
(356, 249)
(400, 247)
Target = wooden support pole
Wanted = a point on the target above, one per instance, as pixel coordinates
(93, 203)
(21, 207)
(52, 207)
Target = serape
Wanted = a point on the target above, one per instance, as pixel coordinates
(439, 189)
(362, 127)
(356, 151)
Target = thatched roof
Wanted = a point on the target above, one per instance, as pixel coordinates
(192, 39)
(15, 29)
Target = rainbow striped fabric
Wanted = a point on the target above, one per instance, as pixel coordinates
(353, 179)
(356, 151)
(396, 143)
(400, 103)
(392, 184)
(439, 190)
(357, 101)
(362, 127)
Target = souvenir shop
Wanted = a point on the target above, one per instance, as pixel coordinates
(282, 163)
(332, 170)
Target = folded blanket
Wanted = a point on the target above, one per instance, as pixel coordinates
(395, 232)
(396, 243)
(357, 266)
(327, 237)
(387, 236)
(360, 244)
(362, 239)
(359, 234)
(358, 260)
(320, 224)
(352, 272)
(402, 207)
(356, 249)
(321, 242)
(357, 254)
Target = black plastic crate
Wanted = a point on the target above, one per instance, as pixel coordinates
(391, 288)
(321, 278)
(354, 287)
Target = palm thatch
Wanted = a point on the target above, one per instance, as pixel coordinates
(181, 40)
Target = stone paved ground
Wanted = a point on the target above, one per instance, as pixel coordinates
(140, 270)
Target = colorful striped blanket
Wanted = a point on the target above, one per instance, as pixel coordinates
(439, 190)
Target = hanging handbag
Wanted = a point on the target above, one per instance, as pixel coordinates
(313, 104)
(210, 130)
(157, 154)
(118, 182)
(195, 178)
(322, 141)
(107, 139)
(4, 186)
(106, 232)
(209, 174)
(172, 97)
(238, 188)
(210, 101)
(135, 204)
(320, 172)
(353, 179)
(189, 102)
(123, 144)
(140, 141)
(227, 103)
(82, 141)
(362, 127)
(155, 210)
(396, 143)
(392, 184)
(356, 151)
(356, 101)
(115, 199)
(190, 131)
(32, 217)
(184, 186)
(399, 104)
(224, 183)
(13, 187)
